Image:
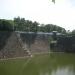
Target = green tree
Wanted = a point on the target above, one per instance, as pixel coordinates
(73, 32)
(42, 28)
(53, 1)
(6, 25)
(17, 23)
(34, 27)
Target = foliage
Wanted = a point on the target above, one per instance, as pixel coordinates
(6, 25)
(66, 43)
(53, 1)
(50, 39)
(73, 32)
(25, 25)
(20, 24)
(50, 28)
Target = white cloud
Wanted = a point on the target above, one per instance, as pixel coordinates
(43, 11)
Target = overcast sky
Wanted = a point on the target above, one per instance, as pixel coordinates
(61, 13)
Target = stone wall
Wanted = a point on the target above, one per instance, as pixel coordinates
(11, 47)
(15, 44)
(37, 43)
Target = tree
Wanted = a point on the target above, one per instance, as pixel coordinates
(34, 27)
(73, 32)
(42, 28)
(47, 28)
(20, 24)
(17, 23)
(53, 1)
(6, 25)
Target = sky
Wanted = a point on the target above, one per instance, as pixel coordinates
(62, 13)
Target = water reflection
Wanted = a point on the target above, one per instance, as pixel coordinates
(53, 64)
(63, 71)
(59, 71)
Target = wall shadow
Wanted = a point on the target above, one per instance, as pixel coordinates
(4, 35)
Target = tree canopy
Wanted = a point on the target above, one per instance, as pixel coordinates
(21, 24)
(53, 1)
